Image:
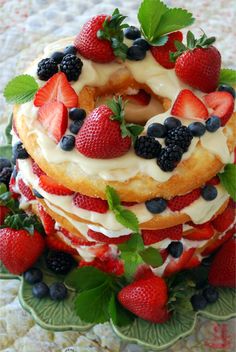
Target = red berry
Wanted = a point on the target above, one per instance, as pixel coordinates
(47, 221)
(179, 202)
(213, 246)
(98, 236)
(223, 221)
(179, 264)
(90, 203)
(222, 104)
(25, 190)
(75, 239)
(154, 236)
(50, 186)
(200, 233)
(55, 243)
(36, 170)
(108, 265)
(213, 181)
(4, 211)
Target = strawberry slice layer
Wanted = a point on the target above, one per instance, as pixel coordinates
(47, 220)
(50, 186)
(200, 233)
(188, 105)
(36, 170)
(55, 243)
(98, 236)
(90, 203)
(76, 240)
(176, 265)
(154, 236)
(179, 202)
(223, 221)
(222, 104)
(25, 190)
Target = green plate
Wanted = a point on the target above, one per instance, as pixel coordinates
(60, 316)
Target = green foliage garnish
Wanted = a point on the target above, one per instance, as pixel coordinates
(227, 76)
(20, 89)
(228, 179)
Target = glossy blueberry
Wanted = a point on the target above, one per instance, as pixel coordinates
(19, 152)
(227, 88)
(209, 192)
(132, 33)
(75, 126)
(210, 294)
(197, 129)
(142, 43)
(171, 122)
(77, 114)
(33, 275)
(40, 290)
(57, 56)
(37, 194)
(136, 53)
(213, 124)
(58, 291)
(198, 302)
(4, 162)
(71, 49)
(156, 130)
(175, 249)
(67, 142)
(156, 205)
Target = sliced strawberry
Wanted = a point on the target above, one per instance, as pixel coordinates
(57, 88)
(25, 190)
(47, 220)
(110, 265)
(218, 242)
(50, 186)
(179, 202)
(222, 222)
(128, 204)
(154, 236)
(4, 211)
(164, 254)
(142, 98)
(222, 104)
(54, 242)
(53, 116)
(177, 265)
(36, 170)
(12, 184)
(214, 181)
(200, 233)
(76, 240)
(188, 105)
(90, 203)
(192, 263)
(98, 236)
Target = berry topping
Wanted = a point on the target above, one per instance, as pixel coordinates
(55, 243)
(50, 186)
(169, 157)
(228, 89)
(71, 65)
(197, 129)
(175, 249)
(19, 152)
(36, 169)
(136, 53)
(210, 294)
(60, 262)
(25, 190)
(179, 202)
(198, 302)
(132, 33)
(147, 147)
(213, 123)
(5, 175)
(67, 142)
(209, 192)
(46, 69)
(222, 104)
(154, 236)
(77, 114)
(40, 290)
(157, 130)
(156, 205)
(33, 275)
(57, 56)
(90, 203)
(98, 236)
(4, 162)
(75, 126)
(58, 291)
(142, 43)
(47, 221)
(223, 221)
(180, 136)
(70, 49)
(200, 232)
(172, 122)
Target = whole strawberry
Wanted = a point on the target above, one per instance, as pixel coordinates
(198, 64)
(147, 298)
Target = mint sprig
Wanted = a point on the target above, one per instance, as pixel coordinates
(20, 89)
(227, 76)
(228, 179)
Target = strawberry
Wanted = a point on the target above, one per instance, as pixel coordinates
(128, 204)
(179, 202)
(188, 105)
(198, 64)
(47, 220)
(19, 250)
(76, 240)
(25, 190)
(4, 211)
(50, 186)
(213, 181)
(90, 203)
(200, 233)
(12, 184)
(192, 263)
(36, 170)
(143, 272)
(142, 98)
(53, 116)
(57, 88)
(179, 264)
(222, 104)
(109, 265)
(218, 242)
(223, 221)
(147, 298)
(223, 270)
(154, 236)
(162, 53)
(98, 236)
(55, 243)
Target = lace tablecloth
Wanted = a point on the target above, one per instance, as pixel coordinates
(25, 27)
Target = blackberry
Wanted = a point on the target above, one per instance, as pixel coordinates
(169, 157)
(46, 69)
(5, 175)
(147, 147)
(180, 136)
(71, 65)
(59, 262)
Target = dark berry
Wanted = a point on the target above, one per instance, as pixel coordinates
(57, 56)
(206, 262)
(58, 291)
(156, 205)
(180, 136)
(175, 249)
(5, 175)
(71, 65)
(169, 157)
(46, 69)
(77, 114)
(198, 302)
(213, 124)
(19, 152)
(14, 172)
(172, 122)
(147, 147)
(60, 262)
(136, 53)
(132, 33)
(40, 290)
(4, 162)
(76, 126)
(197, 129)
(142, 43)
(156, 130)
(227, 88)
(37, 194)
(67, 142)
(209, 192)
(33, 275)
(211, 294)
(70, 49)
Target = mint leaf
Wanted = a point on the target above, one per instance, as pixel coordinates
(131, 262)
(20, 89)
(3, 188)
(127, 218)
(227, 76)
(118, 314)
(160, 41)
(151, 256)
(173, 20)
(228, 179)
(112, 198)
(86, 278)
(135, 243)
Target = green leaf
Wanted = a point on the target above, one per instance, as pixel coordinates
(135, 243)
(151, 256)
(86, 278)
(118, 314)
(3, 188)
(6, 151)
(8, 130)
(134, 129)
(20, 89)
(127, 218)
(227, 76)
(112, 198)
(228, 179)
(131, 262)
(160, 41)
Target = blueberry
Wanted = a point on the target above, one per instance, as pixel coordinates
(33, 275)
(76, 114)
(198, 302)
(136, 53)
(40, 290)
(156, 130)
(37, 194)
(132, 33)
(67, 142)
(57, 56)
(142, 43)
(213, 124)
(75, 126)
(197, 129)
(14, 172)
(175, 249)
(210, 294)
(227, 88)
(58, 291)
(156, 205)
(4, 162)
(71, 49)
(19, 152)
(171, 122)
(209, 192)
(207, 261)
